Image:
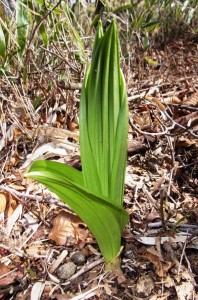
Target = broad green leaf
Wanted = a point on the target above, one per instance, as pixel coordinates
(104, 119)
(104, 219)
(22, 25)
(96, 194)
(2, 43)
(99, 35)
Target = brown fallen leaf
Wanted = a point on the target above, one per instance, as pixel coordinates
(16, 187)
(135, 146)
(8, 276)
(66, 229)
(7, 203)
(184, 120)
(161, 267)
(63, 232)
(184, 142)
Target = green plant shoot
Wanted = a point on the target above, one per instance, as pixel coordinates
(22, 25)
(96, 193)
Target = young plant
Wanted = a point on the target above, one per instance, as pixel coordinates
(96, 193)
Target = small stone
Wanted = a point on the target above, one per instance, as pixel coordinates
(78, 258)
(144, 286)
(66, 271)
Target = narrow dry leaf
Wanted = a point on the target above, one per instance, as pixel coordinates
(53, 278)
(45, 151)
(157, 185)
(184, 121)
(8, 136)
(56, 263)
(37, 291)
(11, 204)
(172, 100)
(95, 291)
(17, 187)
(3, 202)
(56, 133)
(192, 100)
(157, 102)
(153, 251)
(107, 289)
(12, 219)
(151, 240)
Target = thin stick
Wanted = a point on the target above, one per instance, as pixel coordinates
(33, 197)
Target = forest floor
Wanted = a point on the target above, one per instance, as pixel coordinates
(46, 252)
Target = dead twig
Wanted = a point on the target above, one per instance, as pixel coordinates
(34, 197)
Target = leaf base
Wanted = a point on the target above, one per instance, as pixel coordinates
(113, 264)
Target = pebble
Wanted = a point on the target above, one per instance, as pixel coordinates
(66, 271)
(78, 258)
(144, 286)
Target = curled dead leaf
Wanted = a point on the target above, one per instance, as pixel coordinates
(63, 232)
(143, 120)
(156, 101)
(172, 100)
(161, 267)
(65, 229)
